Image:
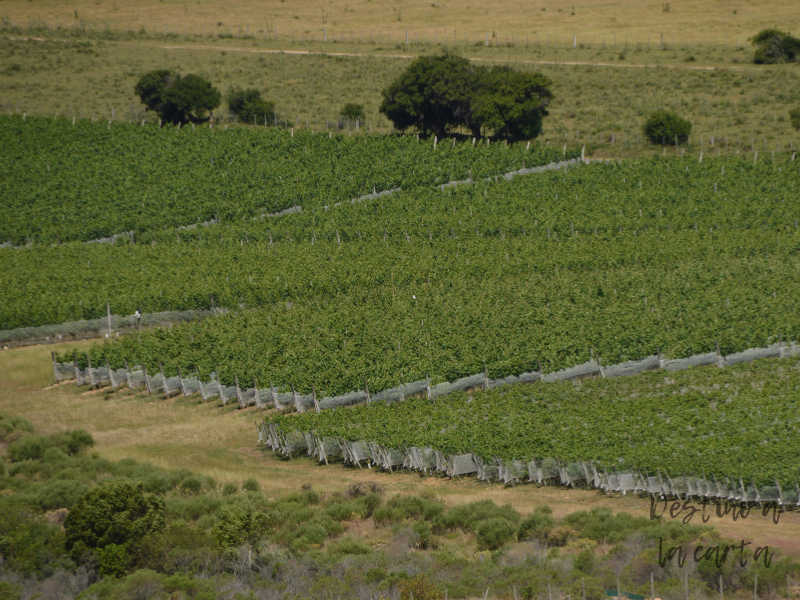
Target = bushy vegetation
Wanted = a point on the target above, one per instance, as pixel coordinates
(177, 99)
(666, 128)
(249, 107)
(774, 47)
(136, 531)
(440, 93)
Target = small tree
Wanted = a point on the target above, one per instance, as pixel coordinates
(108, 520)
(512, 104)
(663, 126)
(794, 117)
(774, 46)
(353, 113)
(177, 99)
(249, 107)
(431, 94)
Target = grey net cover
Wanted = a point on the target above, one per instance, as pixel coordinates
(135, 378)
(349, 399)
(304, 403)
(226, 392)
(461, 464)
(208, 390)
(772, 351)
(172, 385)
(633, 367)
(709, 358)
(587, 369)
(154, 382)
(190, 386)
(64, 371)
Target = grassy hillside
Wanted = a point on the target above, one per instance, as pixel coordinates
(603, 92)
(707, 18)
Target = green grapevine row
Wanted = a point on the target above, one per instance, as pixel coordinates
(62, 181)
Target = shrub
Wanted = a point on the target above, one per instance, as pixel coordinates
(251, 485)
(229, 489)
(29, 447)
(774, 46)
(177, 99)
(236, 526)
(114, 513)
(57, 493)
(13, 423)
(348, 545)
(419, 588)
(422, 534)
(794, 117)
(353, 112)
(74, 442)
(663, 126)
(561, 536)
(192, 485)
(495, 533)
(536, 526)
(249, 107)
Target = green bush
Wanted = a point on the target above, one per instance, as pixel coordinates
(602, 525)
(230, 489)
(422, 533)
(794, 117)
(348, 545)
(113, 513)
(466, 516)
(239, 525)
(251, 485)
(495, 533)
(353, 112)
(57, 493)
(249, 107)
(774, 47)
(13, 423)
(29, 447)
(192, 485)
(663, 126)
(344, 511)
(74, 442)
(536, 526)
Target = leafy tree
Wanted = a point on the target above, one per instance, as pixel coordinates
(774, 46)
(109, 520)
(662, 126)
(495, 533)
(177, 99)
(794, 117)
(437, 92)
(512, 104)
(431, 94)
(249, 107)
(353, 112)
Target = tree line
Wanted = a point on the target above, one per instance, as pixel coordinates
(437, 95)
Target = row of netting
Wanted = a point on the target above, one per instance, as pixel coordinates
(109, 326)
(542, 471)
(283, 399)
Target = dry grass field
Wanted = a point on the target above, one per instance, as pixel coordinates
(220, 442)
(602, 95)
(712, 20)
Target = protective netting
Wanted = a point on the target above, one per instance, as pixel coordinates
(100, 327)
(271, 397)
(545, 471)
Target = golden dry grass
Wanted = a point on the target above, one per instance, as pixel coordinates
(220, 442)
(709, 19)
